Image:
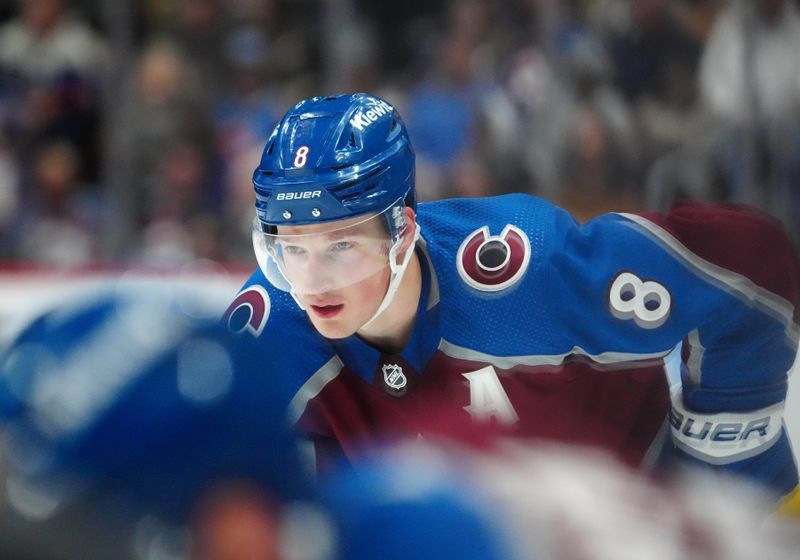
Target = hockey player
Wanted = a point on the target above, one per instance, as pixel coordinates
(390, 317)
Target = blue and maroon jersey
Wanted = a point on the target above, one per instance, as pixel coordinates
(536, 326)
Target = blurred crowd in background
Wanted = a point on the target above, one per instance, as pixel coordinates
(129, 130)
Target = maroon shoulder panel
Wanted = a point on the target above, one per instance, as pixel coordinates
(738, 238)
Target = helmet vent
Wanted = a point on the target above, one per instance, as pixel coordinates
(358, 192)
(271, 148)
(394, 130)
(351, 141)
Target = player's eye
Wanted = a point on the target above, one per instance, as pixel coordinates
(294, 250)
(342, 246)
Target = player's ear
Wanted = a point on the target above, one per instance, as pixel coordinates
(411, 228)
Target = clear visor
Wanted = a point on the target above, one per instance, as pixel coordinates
(322, 258)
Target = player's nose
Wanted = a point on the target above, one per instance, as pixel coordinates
(316, 278)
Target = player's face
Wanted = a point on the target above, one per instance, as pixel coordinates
(339, 274)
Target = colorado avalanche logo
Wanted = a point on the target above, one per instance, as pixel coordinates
(249, 311)
(491, 263)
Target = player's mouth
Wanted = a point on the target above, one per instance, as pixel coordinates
(327, 311)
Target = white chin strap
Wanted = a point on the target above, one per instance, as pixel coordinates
(398, 270)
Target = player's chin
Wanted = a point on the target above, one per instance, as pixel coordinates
(333, 328)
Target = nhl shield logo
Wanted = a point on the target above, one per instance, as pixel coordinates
(394, 377)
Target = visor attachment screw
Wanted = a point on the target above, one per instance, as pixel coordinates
(315, 212)
(286, 214)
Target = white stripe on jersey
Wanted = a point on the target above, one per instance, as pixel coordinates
(312, 387)
(508, 362)
(734, 283)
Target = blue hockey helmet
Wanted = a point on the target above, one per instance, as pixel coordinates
(408, 503)
(134, 397)
(332, 158)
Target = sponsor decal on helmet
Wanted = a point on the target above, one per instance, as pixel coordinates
(298, 195)
(363, 119)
